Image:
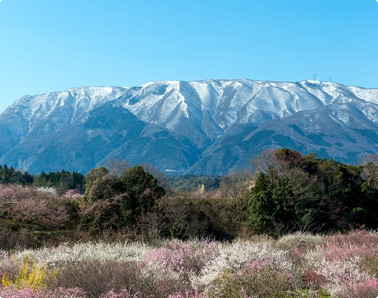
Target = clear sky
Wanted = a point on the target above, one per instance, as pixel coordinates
(53, 45)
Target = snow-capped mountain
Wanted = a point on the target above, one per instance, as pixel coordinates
(201, 127)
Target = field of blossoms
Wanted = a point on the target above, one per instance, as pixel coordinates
(296, 265)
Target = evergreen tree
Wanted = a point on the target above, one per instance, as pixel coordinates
(296, 192)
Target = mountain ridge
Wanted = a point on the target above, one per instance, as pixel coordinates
(193, 117)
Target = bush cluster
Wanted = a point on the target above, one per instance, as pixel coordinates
(316, 266)
(289, 192)
(32, 217)
(118, 201)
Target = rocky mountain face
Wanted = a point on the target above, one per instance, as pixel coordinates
(205, 127)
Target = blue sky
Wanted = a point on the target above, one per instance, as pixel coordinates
(53, 45)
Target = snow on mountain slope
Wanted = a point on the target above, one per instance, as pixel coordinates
(204, 113)
(109, 132)
(222, 103)
(60, 109)
(166, 102)
(338, 131)
(79, 100)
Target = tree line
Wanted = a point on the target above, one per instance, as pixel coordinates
(284, 192)
(61, 181)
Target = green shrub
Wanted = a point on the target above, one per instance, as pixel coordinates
(115, 202)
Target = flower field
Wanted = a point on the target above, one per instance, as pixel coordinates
(296, 265)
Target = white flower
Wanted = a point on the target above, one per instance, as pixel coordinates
(232, 256)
